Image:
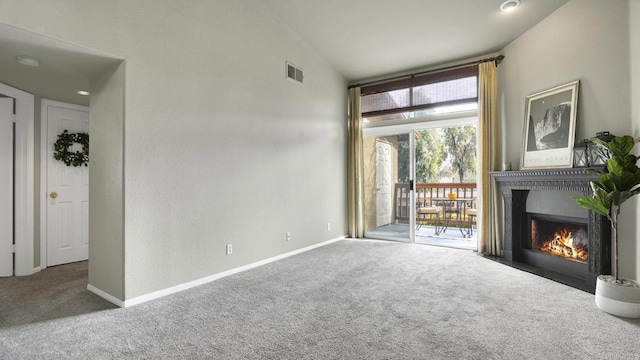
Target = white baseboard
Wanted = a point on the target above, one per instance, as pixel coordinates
(105, 296)
(204, 280)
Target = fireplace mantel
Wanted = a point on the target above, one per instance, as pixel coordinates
(559, 179)
(515, 186)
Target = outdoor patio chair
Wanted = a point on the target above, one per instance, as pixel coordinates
(423, 212)
(472, 215)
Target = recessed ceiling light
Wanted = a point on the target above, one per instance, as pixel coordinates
(509, 5)
(83, 92)
(28, 60)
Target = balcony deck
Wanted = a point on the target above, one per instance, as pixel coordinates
(430, 195)
(452, 237)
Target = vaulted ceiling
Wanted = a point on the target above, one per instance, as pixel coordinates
(369, 38)
(361, 39)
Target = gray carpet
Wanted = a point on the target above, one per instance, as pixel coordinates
(348, 300)
(57, 292)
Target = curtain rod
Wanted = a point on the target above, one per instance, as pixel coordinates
(498, 59)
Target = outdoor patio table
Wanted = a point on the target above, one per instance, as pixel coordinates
(450, 207)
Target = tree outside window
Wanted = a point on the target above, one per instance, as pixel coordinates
(441, 154)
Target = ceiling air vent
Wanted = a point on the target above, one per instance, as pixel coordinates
(294, 72)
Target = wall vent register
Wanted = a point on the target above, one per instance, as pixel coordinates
(294, 72)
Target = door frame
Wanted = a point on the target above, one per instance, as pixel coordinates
(391, 131)
(23, 180)
(44, 127)
(410, 127)
(7, 121)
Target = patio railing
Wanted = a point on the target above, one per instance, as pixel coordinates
(425, 195)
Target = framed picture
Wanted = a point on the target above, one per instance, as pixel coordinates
(550, 128)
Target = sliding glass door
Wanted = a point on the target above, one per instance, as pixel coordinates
(388, 196)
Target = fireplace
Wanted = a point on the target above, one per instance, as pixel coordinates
(562, 237)
(557, 243)
(572, 248)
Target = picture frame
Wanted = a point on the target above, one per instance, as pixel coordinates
(550, 127)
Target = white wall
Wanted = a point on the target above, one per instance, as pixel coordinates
(631, 219)
(586, 40)
(218, 146)
(106, 191)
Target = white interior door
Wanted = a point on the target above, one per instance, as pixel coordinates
(383, 183)
(67, 202)
(6, 187)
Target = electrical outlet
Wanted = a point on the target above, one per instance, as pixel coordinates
(229, 249)
(288, 235)
(328, 226)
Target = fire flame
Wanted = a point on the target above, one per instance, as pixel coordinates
(562, 245)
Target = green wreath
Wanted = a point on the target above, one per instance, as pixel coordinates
(65, 141)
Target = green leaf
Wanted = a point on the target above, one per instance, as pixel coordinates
(614, 198)
(593, 204)
(630, 162)
(619, 164)
(597, 186)
(621, 179)
(594, 171)
(615, 165)
(625, 181)
(620, 145)
(607, 182)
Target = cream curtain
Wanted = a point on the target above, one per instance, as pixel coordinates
(355, 173)
(489, 214)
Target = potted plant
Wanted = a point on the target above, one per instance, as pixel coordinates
(615, 185)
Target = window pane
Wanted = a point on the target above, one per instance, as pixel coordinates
(424, 113)
(466, 88)
(386, 100)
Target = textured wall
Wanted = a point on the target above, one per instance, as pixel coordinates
(218, 146)
(586, 40)
(631, 218)
(106, 191)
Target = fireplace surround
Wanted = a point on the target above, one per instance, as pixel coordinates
(515, 187)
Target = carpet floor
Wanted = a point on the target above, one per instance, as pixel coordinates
(348, 300)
